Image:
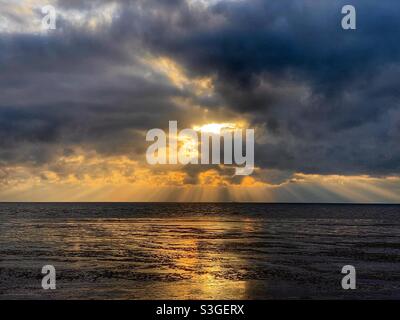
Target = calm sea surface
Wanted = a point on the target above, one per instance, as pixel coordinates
(199, 251)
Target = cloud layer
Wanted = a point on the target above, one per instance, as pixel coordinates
(323, 100)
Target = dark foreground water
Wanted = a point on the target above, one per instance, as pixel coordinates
(199, 251)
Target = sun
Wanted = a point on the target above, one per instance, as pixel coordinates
(192, 147)
(216, 128)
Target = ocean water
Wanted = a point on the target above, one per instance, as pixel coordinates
(199, 251)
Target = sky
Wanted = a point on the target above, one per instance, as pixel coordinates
(76, 102)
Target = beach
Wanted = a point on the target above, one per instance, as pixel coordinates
(199, 251)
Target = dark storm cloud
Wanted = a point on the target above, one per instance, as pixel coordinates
(78, 88)
(328, 98)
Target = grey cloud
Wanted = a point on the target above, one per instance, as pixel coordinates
(328, 98)
(324, 94)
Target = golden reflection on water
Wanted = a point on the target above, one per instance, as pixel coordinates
(196, 256)
(163, 258)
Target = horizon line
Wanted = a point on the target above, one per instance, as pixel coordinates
(200, 202)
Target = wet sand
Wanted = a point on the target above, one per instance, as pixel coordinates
(224, 251)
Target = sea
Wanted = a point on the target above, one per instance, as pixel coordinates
(199, 250)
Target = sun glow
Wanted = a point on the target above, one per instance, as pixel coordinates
(216, 128)
(191, 147)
